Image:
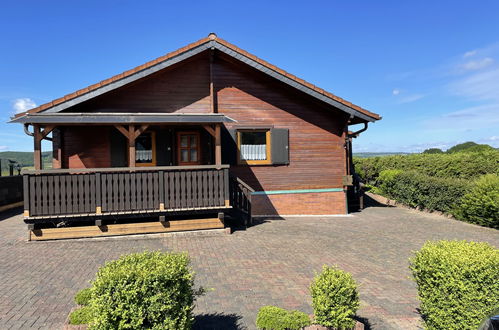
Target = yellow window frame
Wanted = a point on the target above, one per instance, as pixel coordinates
(153, 146)
(267, 143)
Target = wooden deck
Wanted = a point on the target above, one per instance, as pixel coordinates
(124, 229)
(77, 193)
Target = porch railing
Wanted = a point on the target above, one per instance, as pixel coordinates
(107, 191)
(240, 198)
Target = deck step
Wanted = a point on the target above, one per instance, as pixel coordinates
(124, 229)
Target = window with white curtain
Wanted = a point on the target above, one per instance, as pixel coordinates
(144, 149)
(254, 146)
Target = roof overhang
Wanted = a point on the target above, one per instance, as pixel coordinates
(45, 118)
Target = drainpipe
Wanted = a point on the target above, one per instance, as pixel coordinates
(26, 130)
(355, 134)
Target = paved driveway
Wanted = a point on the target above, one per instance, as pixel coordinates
(270, 263)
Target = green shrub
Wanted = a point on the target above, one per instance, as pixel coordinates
(335, 298)
(275, 318)
(456, 165)
(82, 315)
(458, 283)
(419, 190)
(83, 297)
(481, 204)
(144, 290)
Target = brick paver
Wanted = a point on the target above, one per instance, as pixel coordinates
(270, 263)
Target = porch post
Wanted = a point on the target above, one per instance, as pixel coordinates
(218, 145)
(57, 148)
(37, 154)
(131, 146)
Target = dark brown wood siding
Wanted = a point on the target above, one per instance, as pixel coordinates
(86, 147)
(316, 135)
(182, 88)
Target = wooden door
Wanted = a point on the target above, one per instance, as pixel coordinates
(188, 148)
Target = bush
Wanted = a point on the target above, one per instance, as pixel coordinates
(335, 298)
(83, 297)
(455, 165)
(457, 283)
(81, 315)
(275, 318)
(144, 290)
(419, 190)
(481, 204)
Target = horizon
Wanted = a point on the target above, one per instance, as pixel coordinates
(435, 81)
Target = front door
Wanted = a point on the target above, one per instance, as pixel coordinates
(188, 151)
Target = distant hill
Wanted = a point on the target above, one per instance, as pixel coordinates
(377, 154)
(25, 158)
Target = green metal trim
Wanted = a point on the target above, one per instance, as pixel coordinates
(299, 191)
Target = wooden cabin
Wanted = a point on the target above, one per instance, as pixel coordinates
(206, 128)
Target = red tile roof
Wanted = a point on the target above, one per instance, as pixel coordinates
(184, 49)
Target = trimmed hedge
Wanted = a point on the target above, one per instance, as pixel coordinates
(481, 204)
(144, 290)
(457, 165)
(335, 298)
(82, 315)
(275, 318)
(419, 190)
(457, 283)
(83, 296)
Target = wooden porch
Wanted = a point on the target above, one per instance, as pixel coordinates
(101, 202)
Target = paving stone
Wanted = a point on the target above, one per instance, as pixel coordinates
(271, 263)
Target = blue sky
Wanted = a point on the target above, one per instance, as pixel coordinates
(430, 68)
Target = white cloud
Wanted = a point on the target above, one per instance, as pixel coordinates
(3, 148)
(478, 86)
(23, 104)
(411, 98)
(478, 64)
(470, 53)
(482, 116)
(395, 92)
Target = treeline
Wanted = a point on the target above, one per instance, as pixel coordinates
(463, 182)
(25, 158)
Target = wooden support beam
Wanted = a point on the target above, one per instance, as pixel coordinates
(57, 148)
(98, 222)
(131, 145)
(218, 145)
(213, 107)
(46, 130)
(37, 147)
(140, 130)
(122, 130)
(210, 130)
(162, 218)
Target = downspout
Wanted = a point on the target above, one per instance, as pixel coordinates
(348, 147)
(355, 134)
(26, 130)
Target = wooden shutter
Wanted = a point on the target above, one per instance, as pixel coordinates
(229, 146)
(279, 139)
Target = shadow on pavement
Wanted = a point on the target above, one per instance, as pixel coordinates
(11, 213)
(217, 321)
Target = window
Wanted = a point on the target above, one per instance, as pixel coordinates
(188, 148)
(145, 149)
(253, 147)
